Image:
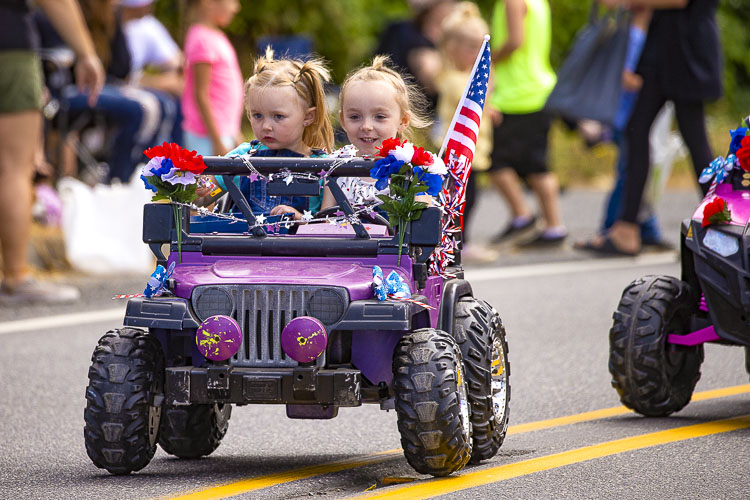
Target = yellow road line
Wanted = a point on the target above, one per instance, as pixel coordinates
(617, 410)
(256, 483)
(261, 482)
(436, 487)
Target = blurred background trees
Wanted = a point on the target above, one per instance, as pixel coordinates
(345, 31)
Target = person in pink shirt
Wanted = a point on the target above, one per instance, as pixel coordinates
(212, 101)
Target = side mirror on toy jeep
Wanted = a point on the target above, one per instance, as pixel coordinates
(425, 231)
(157, 223)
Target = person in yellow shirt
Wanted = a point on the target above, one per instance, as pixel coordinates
(521, 32)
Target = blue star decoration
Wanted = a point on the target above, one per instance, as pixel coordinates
(158, 280)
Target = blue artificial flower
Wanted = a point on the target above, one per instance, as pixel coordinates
(148, 184)
(157, 166)
(433, 182)
(383, 169)
(737, 136)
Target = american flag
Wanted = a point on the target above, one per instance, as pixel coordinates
(461, 139)
(459, 146)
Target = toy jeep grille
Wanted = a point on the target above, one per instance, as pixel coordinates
(262, 311)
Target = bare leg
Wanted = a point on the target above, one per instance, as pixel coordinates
(19, 134)
(507, 182)
(547, 191)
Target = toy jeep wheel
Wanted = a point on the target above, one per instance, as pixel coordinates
(123, 400)
(432, 402)
(480, 334)
(195, 430)
(652, 377)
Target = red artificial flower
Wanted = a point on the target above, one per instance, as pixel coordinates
(743, 153)
(388, 146)
(182, 159)
(422, 157)
(716, 211)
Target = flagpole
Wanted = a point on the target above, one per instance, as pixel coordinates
(466, 91)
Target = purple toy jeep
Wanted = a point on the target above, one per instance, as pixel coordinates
(661, 323)
(254, 317)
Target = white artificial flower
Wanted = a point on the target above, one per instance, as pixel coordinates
(437, 167)
(152, 166)
(403, 153)
(176, 176)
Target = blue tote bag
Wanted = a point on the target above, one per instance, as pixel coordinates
(589, 82)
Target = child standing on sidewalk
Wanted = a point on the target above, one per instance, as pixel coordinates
(212, 99)
(463, 34)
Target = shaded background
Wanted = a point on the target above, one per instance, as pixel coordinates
(345, 31)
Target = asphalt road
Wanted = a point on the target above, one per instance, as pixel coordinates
(557, 308)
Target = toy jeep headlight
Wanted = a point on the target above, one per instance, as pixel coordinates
(211, 301)
(327, 305)
(722, 243)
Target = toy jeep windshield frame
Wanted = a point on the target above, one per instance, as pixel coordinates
(422, 236)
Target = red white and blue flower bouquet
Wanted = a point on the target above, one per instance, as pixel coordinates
(172, 173)
(408, 171)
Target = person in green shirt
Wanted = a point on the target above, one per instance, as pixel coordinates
(521, 32)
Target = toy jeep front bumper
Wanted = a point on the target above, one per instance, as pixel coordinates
(242, 385)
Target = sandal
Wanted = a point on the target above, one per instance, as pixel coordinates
(606, 249)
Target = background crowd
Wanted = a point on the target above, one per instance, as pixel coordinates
(120, 76)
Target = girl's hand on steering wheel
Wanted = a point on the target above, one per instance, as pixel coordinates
(286, 209)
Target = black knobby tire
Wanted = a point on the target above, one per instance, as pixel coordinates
(480, 334)
(652, 377)
(427, 379)
(195, 430)
(123, 398)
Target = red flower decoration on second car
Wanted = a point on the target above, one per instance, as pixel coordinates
(422, 157)
(743, 154)
(388, 146)
(182, 159)
(716, 211)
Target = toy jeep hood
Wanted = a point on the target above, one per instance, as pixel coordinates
(354, 275)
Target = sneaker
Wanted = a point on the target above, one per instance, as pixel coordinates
(478, 254)
(32, 291)
(515, 230)
(546, 239)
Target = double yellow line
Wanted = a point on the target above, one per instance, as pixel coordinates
(431, 488)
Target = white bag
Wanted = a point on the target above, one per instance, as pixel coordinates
(666, 147)
(102, 227)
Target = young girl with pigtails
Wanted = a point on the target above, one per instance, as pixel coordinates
(376, 103)
(285, 103)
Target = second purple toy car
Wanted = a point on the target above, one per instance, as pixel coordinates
(662, 322)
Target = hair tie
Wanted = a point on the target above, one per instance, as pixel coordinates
(298, 75)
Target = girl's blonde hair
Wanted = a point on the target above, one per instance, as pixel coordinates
(307, 79)
(464, 22)
(411, 101)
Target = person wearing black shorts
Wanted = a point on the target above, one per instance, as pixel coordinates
(524, 79)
